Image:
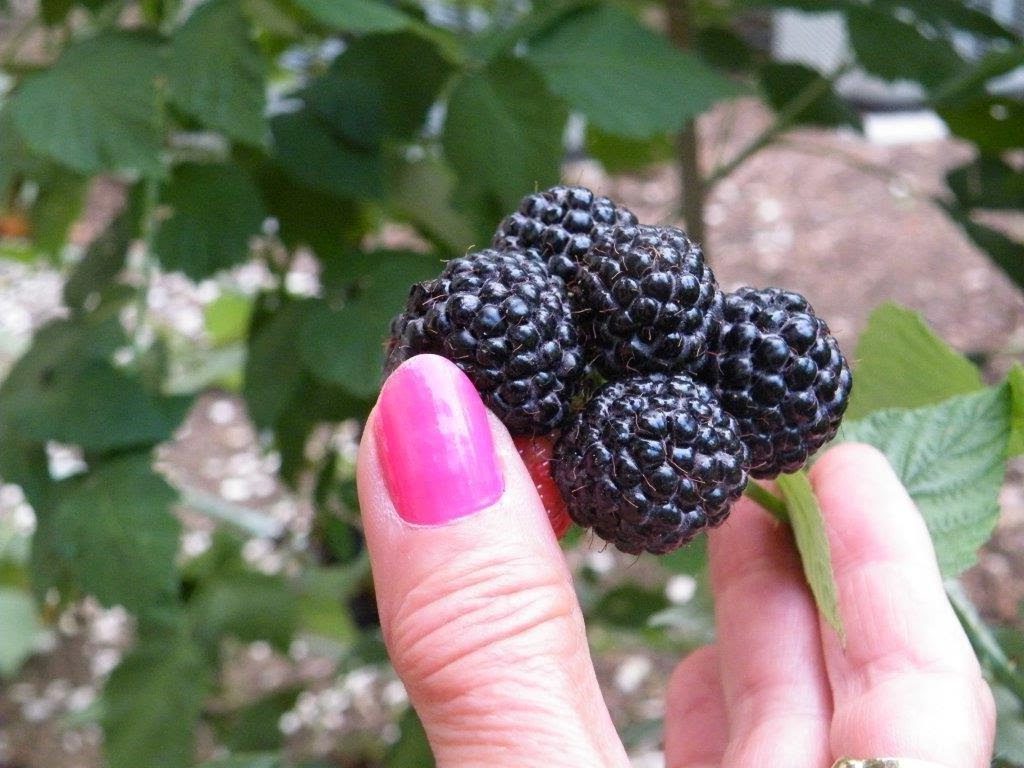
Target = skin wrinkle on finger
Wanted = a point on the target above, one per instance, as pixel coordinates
(500, 672)
(877, 722)
(888, 622)
(483, 606)
(907, 681)
(771, 663)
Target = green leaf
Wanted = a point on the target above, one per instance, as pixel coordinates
(785, 83)
(370, 92)
(211, 212)
(58, 206)
(601, 57)
(628, 606)
(65, 388)
(971, 82)
(987, 182)
(152, 703)
(1015, 381)
(95, 109)
(227, 318)
(315, 156)
(1009, 728)
(412, 750)
(254, 727)
(21, 626)
(245, 761)
(724, 49)
(500, 40)
(15, 157)
(1008, 254)
(504, 131)
(950, 457)
(111, 534)
(809, 531)
(24, 463)
(54, 11)
(322, 604)
(876, 36)
(422, 192)
(356, 15)
(991, 122)
(105, 257)
(620, 154)
(273, 369)
(307, 217)
(312, 403)
(216, 72)
(247, 607)
(954, 14)
(343, 341)
(901, 363)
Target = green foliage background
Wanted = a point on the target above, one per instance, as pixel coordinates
(258, 128)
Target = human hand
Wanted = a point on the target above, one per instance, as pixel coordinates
(482, 624)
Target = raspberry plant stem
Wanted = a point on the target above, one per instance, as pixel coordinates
(771, 503)
(691, 181)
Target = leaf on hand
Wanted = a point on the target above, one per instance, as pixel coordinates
(811, 540)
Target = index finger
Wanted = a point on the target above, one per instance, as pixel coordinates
(907, 683)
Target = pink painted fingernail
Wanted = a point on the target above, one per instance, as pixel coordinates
(435, 443)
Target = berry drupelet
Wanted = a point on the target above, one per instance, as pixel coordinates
(560, 224)
(780, 373)
(650, 462)
(504, 321)
(646, 302)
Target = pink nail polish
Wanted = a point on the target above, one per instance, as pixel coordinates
(435, 443)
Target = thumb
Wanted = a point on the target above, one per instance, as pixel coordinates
(476, 602)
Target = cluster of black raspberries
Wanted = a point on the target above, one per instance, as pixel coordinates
(662, 393)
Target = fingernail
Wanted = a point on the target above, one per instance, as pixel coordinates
(435, 443)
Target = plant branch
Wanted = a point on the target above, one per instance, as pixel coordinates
(847, 158)
(771, 503)
(691, 182)
(785, 119)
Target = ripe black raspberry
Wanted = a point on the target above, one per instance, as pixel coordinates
(504, 321)
(646, 302)
(781, 374)
(650, 462)
(560, 223)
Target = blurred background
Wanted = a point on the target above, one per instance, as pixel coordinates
(209, 211)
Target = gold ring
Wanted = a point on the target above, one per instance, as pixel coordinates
(885, 762)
